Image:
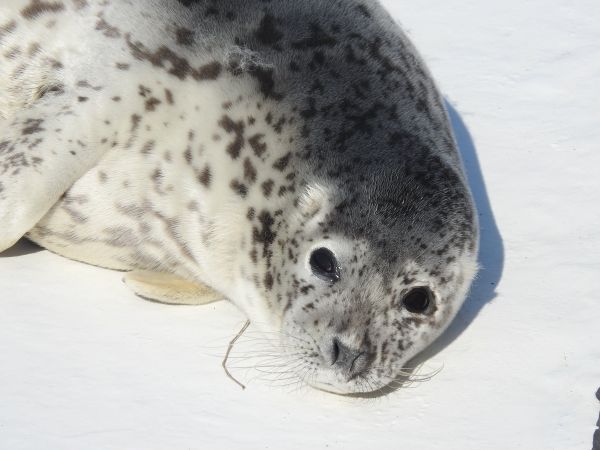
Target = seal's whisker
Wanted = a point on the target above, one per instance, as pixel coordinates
(288, 368)
(266, 356)
(291, 374)
(269, 374)
(269, 371)
(284, 384)
(277, 379)
(261, 342)
(264, 353)
(262, 366)
(277, 333)
(397, 372)
(269, 368)
(302, 377)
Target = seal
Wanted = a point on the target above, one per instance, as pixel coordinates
(293, 156)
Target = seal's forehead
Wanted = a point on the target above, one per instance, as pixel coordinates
(406, 213)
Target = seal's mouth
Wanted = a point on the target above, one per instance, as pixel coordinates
(336, 383)
(331, 389)
(348, 390)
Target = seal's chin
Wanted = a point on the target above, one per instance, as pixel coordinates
(331, 389)
(330, 383)
(344, 389)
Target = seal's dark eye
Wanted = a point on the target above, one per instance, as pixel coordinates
(324, 265)
(418, 300)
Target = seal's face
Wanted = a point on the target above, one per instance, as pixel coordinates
(361, 294)
(354, 326)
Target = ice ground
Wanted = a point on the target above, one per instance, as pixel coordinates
(85, 364)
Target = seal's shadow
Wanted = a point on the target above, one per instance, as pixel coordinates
(21, 248)
(491, 247)
(490, 258)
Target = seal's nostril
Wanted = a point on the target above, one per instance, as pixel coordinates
(335, 351)
(355, 364)
(351, 362)
(360, 365)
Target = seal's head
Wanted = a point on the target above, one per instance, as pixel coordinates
(363, 277)
(366, 252)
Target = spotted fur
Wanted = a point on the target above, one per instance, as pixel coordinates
(223, 141)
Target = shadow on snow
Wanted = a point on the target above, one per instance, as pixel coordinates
(490, 258)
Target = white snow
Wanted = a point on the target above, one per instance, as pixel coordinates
(84, 364)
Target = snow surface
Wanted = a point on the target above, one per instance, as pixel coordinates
(87, 365)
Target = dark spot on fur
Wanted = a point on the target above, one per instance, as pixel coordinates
(12, 53)
(135, 122)
(266, 82)
(210, 11)
(267, 32)
(39, 7)
(152, 103)
(80, 4)
(34, 49)
(184, 36)
(107, 29)
(278, 127)
(269, 281)
(239, 188)
(86, 84)
(169, 97)
(249, 171)
(210, 71)
(173, 63)
(317, 38)
(156, 175)
(265, 235)
(147, 148)
(188, 155)
(257, 146)
(7, 28)
(282, 162)
(364, 11)
(267, 187)
(205, 177)
(144, 91)
(188, 3)
(237, 128)
(254, 255)
(32, 126)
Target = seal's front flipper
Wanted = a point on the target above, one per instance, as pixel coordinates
(44, 149)
(167, 288)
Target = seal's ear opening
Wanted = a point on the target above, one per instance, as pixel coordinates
(312, 200)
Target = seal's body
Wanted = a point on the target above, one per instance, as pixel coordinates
(293, 156)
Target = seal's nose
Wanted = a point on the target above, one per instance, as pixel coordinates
(351, 362)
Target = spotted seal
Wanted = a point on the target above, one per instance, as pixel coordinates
(293, 156)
